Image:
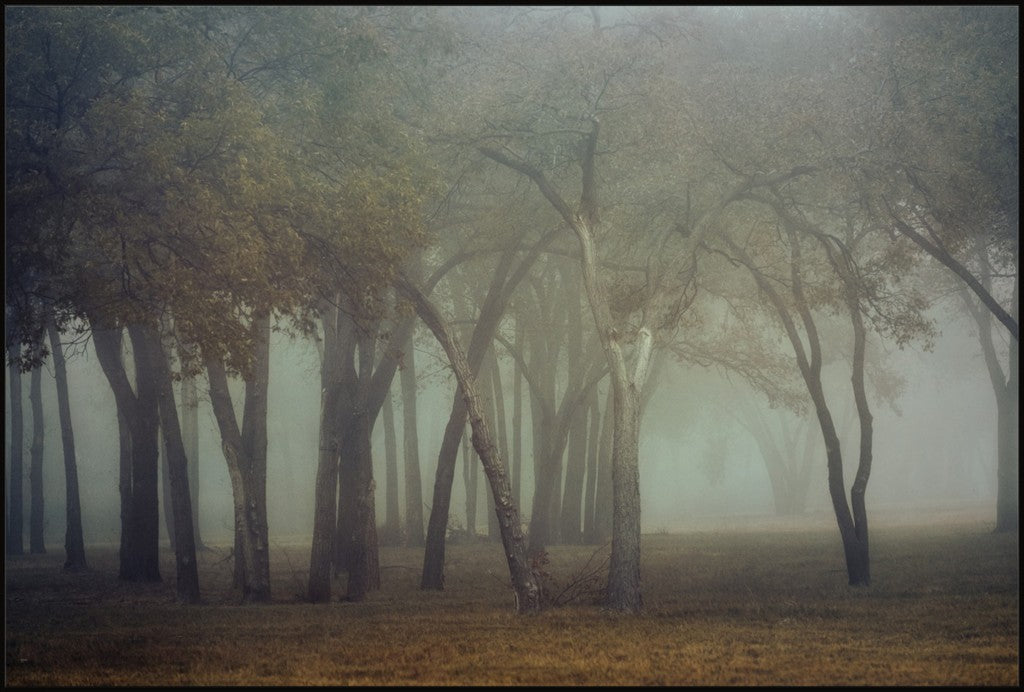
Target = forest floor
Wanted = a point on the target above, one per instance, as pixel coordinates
(745, 603)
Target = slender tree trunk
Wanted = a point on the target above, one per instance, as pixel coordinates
(517, 420)
(165, 484)
(590, 489)
(190, 438)
(392, 521)
(575, 472)
(74, 543)
(15, 492)
(35, 474)
(469, 481)
(411, 451)
(603, 507)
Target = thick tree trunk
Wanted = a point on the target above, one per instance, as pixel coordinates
(524, 582)
(392, 518)
(624, 567)
(326, 488)
(36, 540)
(411, 451)
(140, 557)
(363, 561)
(74, 543)
(15, 545)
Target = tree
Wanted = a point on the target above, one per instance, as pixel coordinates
(525, 584)
(15, 535)
(1006, 387)
(74, 542)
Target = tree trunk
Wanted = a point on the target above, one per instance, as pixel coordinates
(176, 464)
(140, 556)
(517, 420)
(326, 489)
(524, 582)
(469, 481)
(190, 438)
(245, 452)
(575, 471)
(165, 484)
(411, 450)
(590, 489)
(503, 283)
(74, 543)
(497, 394)
(35, 474)
(15, 492)
(392, 520)
(604, 500)
(363, 561)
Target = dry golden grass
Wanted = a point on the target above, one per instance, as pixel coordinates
(751, 607)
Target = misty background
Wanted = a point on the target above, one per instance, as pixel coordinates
(697, 462)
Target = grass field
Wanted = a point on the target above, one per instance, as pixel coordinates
(758, 604)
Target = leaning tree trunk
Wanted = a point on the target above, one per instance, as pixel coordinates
(74, 543)
(14, 544)
(525, 583)
(35, 473)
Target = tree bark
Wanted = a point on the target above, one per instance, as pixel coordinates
(74, 543)
(36, 540)
(15, 545)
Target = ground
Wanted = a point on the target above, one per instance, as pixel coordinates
(748, 602)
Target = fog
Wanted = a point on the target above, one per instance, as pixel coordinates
(698, 466)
